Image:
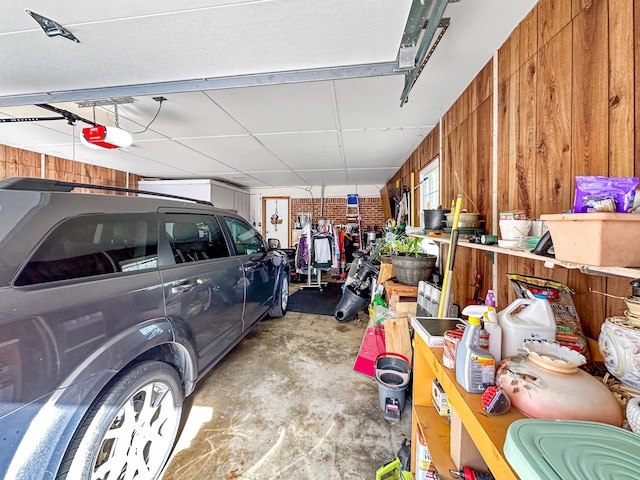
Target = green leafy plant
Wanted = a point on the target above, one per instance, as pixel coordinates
(401, 245)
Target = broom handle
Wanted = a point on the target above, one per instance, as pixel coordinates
(449, 266)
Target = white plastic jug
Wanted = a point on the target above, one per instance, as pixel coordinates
(526, 320)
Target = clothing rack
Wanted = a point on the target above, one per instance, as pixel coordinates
(320, 254)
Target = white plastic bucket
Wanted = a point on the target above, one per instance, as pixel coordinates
(526, 320)
(514, 229)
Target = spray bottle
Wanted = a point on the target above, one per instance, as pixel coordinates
(475, 367)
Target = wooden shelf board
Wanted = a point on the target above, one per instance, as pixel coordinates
(588, 269)
(435, 431)
(488, 432)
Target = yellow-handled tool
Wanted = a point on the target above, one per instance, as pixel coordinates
(446, 282)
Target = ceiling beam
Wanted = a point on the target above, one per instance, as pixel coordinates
(214, 83)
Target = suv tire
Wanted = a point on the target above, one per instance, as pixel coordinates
(281, 300)
(135, 421)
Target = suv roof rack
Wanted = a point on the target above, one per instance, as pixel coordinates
(49, 185)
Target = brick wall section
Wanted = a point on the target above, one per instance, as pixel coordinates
(335, 209)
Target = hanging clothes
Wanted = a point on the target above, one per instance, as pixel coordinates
(323, 250)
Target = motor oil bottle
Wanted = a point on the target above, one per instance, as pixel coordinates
(475, 367)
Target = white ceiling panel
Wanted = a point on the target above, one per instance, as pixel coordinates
(258, 92)
(185, 158)
(182, 115)
(325, 177)
(380, 148)
(244, 153)
(362, 107)
(369, 176)
(310, 150)
(280, 179)
(280, 108)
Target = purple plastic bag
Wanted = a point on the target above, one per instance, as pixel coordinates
(604, 194)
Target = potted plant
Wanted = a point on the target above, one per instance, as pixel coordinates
(411, 262)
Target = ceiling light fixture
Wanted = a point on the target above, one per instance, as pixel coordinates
(51, 27)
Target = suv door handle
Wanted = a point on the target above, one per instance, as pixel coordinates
(184, 287)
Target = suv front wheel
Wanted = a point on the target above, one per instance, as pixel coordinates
(131, 428)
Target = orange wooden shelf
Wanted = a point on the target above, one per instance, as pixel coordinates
(488, 432)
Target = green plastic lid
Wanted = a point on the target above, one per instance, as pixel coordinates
(571, 450)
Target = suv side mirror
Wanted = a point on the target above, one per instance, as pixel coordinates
(274, 243)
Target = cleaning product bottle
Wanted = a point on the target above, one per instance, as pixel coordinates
(495, 333)
(475, 367)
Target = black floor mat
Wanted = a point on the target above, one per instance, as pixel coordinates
(312, 300)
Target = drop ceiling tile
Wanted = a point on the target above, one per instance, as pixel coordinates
(280, 179)
(242, 153)
(323, 177)
(306, 150)
(369, 176)
(375, 103)
(380, 148)
(296, 107)
(182, 115)
(180, 156)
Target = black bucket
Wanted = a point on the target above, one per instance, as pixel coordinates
(349, 305)
(435, 219)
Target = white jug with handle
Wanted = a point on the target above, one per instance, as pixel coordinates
(526, 320)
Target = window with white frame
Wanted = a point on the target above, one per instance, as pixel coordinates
(430, 187)
(430, 199)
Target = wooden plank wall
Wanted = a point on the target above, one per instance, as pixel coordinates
(15, 162)
(568, 103)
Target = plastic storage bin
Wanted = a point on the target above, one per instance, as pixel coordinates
(598, 239)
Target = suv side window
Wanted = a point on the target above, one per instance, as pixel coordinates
(246, 239)
(92, 245)
(195, 237)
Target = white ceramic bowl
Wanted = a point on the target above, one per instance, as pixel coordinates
(554, 356)
(514, 229)
(504, 243)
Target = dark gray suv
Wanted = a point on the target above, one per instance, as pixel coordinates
(112, 307)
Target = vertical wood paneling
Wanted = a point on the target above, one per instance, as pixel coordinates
(525, 165)
(590, 92)
(577, 6)
(504, 61)
(504, 91)
(621, 89)
(529, 36)
(568, 102)
(553, 152)
(636, 73)
(484, 162)
(553, 16)
(514, 43)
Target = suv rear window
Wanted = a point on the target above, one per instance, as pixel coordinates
(93, 245)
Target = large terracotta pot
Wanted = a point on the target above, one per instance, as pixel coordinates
(539, 390)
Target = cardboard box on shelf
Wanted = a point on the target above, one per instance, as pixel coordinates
(440, 399)
(451, 340)
(462, 448)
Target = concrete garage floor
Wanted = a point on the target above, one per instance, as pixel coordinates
(285, 403)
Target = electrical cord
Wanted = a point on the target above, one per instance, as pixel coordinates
(160, 100)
